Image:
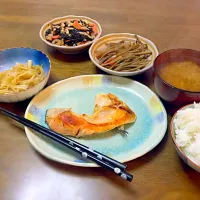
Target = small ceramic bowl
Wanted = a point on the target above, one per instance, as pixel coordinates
(9, 57)
(69, 49)
(115, 37)
(168, 92)
(183, 156)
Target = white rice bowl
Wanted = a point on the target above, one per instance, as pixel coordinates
(187, 132)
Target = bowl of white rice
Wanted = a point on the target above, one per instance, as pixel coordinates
(185, 131)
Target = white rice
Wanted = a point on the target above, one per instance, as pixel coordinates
(187, 132)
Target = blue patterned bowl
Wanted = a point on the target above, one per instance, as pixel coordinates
(9, 57)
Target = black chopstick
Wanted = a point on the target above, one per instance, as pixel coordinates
(74, 143)
(86, 152)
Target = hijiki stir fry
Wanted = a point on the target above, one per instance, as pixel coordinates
(71, 33)
(124, 56)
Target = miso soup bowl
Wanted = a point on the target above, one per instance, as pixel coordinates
(167, 92)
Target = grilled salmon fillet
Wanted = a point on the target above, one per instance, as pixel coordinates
(109, 112)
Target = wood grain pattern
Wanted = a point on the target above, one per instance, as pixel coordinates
(160, 174)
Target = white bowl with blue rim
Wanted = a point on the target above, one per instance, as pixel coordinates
(8, 59)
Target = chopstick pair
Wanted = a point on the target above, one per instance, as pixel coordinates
(100, 159)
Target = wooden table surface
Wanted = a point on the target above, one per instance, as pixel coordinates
(160, 174)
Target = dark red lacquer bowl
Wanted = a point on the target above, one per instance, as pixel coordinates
(167, 92)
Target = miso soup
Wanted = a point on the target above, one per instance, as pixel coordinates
(183, 75)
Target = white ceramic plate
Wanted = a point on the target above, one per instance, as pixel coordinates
(78, 93)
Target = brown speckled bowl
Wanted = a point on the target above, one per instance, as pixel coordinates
(69, 49)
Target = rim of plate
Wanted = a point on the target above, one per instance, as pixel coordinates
(85, 164)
